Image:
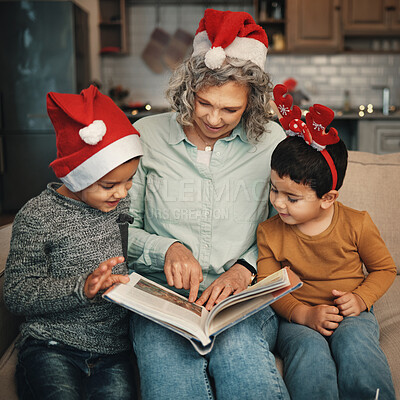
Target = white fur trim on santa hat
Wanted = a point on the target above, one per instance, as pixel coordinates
(201, 43)
(242, 48)
(103, 162)
(93, 133)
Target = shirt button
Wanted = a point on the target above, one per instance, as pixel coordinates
(218, 153)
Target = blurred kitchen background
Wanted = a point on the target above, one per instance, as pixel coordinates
(341, 53)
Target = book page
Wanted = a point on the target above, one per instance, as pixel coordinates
(251, 300)
(236, 311)
(279, 279)
(194, 322)
(149, 298)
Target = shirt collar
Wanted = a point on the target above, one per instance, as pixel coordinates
(177, 134)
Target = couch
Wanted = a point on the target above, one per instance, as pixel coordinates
(372, 183)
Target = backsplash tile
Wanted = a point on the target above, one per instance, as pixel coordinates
(323, 77)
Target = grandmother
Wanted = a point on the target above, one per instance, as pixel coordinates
(200, 191)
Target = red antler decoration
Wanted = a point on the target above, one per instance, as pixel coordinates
(317, 119)
(313, 131)
(284, 104)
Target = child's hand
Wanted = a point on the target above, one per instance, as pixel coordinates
(349, 304)
(102, 278)
(323, 318)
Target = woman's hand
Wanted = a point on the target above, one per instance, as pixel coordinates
(349, 304)
(102, 278)
(182, 270)
(233, 281)
(323, 318)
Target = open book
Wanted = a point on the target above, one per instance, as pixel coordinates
(192, 321)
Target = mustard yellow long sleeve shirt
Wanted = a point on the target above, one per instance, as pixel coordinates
(331, 260)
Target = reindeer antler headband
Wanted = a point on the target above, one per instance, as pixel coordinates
(313, 131)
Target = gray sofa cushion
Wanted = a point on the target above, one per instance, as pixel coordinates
(388, 315)
(372, 183)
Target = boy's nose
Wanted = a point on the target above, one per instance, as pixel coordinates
(279, 203)
(121, 192)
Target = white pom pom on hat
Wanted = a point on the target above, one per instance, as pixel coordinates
(215, 57)
(93, 134)
(233, 33)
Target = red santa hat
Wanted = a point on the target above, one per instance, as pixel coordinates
(93, 137)
(233, 34)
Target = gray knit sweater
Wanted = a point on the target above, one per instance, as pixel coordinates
(56, 243)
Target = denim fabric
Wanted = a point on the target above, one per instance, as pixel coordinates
(348, 365)
(240, 366)
(48, 370)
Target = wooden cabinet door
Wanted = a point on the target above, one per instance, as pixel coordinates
(366, 16)
(395, 15)
(313, 25)
(113, 27)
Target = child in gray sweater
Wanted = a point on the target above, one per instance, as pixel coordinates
(67, 248)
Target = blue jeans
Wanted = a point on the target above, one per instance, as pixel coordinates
(49, 370)
(349, 364)
(240, 365)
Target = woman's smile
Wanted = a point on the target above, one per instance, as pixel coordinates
(213, 128)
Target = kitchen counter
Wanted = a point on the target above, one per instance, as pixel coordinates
(373, 132)
(374, 116)
(134, 115)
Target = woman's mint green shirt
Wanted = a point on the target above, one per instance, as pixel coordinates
(213, 210)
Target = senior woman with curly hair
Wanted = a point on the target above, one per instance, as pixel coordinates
(200, 191)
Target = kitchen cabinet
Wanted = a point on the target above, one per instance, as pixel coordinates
(347, 129)
(378, 136)
(371, 17)
(395, 18)
(313, 25)
(270, 14)
(303, 25)
(330, 26)
(113, 27)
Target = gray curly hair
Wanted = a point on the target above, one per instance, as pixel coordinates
(193, 75)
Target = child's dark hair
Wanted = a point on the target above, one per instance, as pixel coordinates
(294, 158)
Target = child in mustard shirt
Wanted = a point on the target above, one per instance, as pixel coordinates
(328, 335)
